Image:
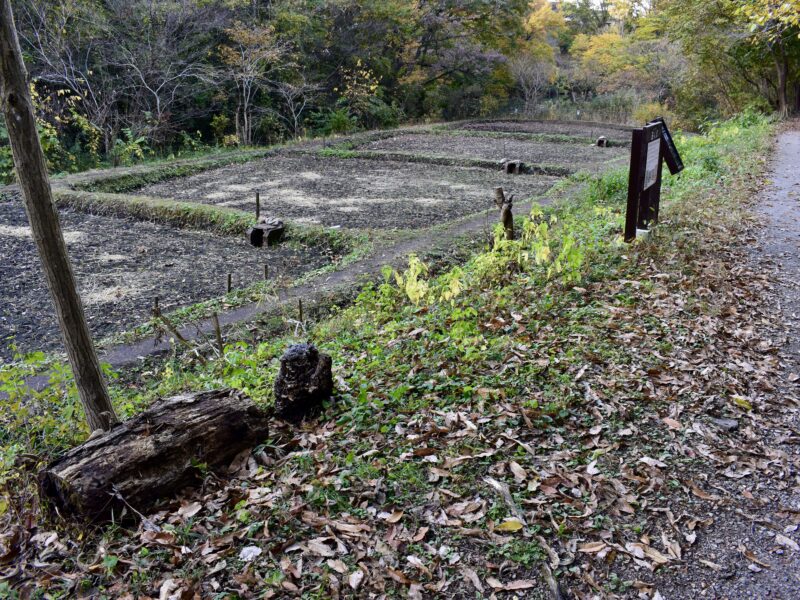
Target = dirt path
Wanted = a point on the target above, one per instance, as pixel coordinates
(751, 551)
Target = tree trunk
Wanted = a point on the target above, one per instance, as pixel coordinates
(797, 97)
(43, 216)
(782, 70)
(154, 455)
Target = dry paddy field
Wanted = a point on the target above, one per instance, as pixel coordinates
(121, 265)
(576, 157)
(577, 129)
(351, 192)
(390, 180)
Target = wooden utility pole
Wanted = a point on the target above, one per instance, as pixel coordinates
(29, 161)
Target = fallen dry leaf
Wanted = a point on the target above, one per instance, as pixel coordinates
(591, 547)
(355, 578)
(752, 557)
(189, 510)
(509, 525)
(395, 516)
(473, 578)
(250, 553)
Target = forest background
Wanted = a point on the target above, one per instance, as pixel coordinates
(118, 81)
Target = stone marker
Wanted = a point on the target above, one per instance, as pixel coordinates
(304, 381)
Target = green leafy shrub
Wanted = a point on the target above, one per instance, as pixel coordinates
(331, 122)
(129, 149)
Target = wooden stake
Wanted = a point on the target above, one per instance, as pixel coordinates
(230, 283)
(300, 305)
(156, 309)
(218, 333)
(258, 206)
(177, 335)
(266, 272)
(15, 99)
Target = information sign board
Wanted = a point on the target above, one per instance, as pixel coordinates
(653, 161)
(668, 148)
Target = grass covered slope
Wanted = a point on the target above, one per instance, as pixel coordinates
(526, 415)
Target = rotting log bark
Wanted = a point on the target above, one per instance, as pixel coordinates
(303, 383)
(154, 455)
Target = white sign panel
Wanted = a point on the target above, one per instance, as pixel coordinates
(651, 168)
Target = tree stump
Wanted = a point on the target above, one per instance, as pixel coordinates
(268, 229)
(154, 455)
(304, 382)
(602, 141)
(506, 217)
(513, 167)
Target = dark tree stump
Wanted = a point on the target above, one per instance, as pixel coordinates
(506, 217)
(268, 229)
(304, 382)
(153, 455)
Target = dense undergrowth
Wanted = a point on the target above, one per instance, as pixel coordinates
(504, 341)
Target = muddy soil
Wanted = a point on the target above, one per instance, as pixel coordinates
(351, 193)
(121, 265)
(588, 131)
(575, 156)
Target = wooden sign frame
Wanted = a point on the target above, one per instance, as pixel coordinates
(643, 179)
(651, 147)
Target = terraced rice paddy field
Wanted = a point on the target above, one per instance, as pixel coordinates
(350, 192)
(408, 179)
(572, 156)
(121, 266)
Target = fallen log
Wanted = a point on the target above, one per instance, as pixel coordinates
(153, 455)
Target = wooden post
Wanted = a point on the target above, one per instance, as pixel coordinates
(258, 206)
(635, 175)
(230, 282)
(300, 307)
(43, 216)
(218, 333)
(266, 272)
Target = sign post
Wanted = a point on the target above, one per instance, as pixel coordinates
(651, 146)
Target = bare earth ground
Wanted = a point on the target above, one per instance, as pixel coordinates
(575, 156)
(590, 131)
(353, 193)
(751, 544)
(121, 265)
